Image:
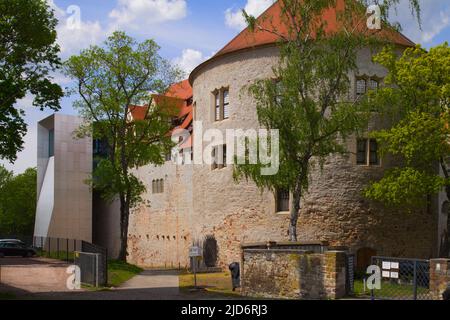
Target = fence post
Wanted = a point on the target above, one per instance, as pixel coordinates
(439, 277)
(57, 248)
(415, 280)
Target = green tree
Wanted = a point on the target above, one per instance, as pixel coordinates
(110, 80)
(5, 176)
(308, 102)
(28, 52)
(417, 100)
(18, 202)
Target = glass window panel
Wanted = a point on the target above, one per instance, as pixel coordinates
(360, 87)
(361, 155)
(373, 84)
(374, 160)
(226, 104)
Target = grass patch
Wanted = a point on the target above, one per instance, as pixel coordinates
(212, 282)
(390, 290)
(7, 296)
(120, 272)
(61, 255)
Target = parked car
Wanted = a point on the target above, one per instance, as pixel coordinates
(12, 240)
(15, 249)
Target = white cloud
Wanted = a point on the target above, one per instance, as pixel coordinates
(234, 18)
(138, 13)
(189, 59)
(435, 15)
(74, 33)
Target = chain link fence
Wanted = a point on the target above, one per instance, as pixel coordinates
(403, 279)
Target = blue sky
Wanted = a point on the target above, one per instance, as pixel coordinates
(188, 31)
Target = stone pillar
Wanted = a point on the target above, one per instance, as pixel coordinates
(439, 277)
(335, 274)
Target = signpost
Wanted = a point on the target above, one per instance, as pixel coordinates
(195, 252)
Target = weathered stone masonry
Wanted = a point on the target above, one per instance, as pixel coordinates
(291, 273)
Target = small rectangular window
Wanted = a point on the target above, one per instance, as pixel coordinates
(283, 200)
(226, 104)
(361, 154)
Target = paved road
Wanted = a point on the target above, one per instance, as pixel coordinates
(149, 285)
(34, 275)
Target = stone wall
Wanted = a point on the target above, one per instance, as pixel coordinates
(159, 231)
(293, 274)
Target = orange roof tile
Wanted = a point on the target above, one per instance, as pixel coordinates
(181, 90)
(272, 18)
(138, 112)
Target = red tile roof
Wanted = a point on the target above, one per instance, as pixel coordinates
(179, 95)
(138, 112)
(182, 90)
(271, 19)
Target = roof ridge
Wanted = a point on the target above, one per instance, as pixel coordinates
(245, 29)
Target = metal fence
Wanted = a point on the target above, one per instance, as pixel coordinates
(403, 279)
(101, 262)
(89, 267)
(57, 248)
(350, 279)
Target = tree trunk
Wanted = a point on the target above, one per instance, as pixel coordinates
(124, 219)
(295, 210)
(446, 175)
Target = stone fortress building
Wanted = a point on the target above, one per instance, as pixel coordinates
(199, 202)
(203, 204)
